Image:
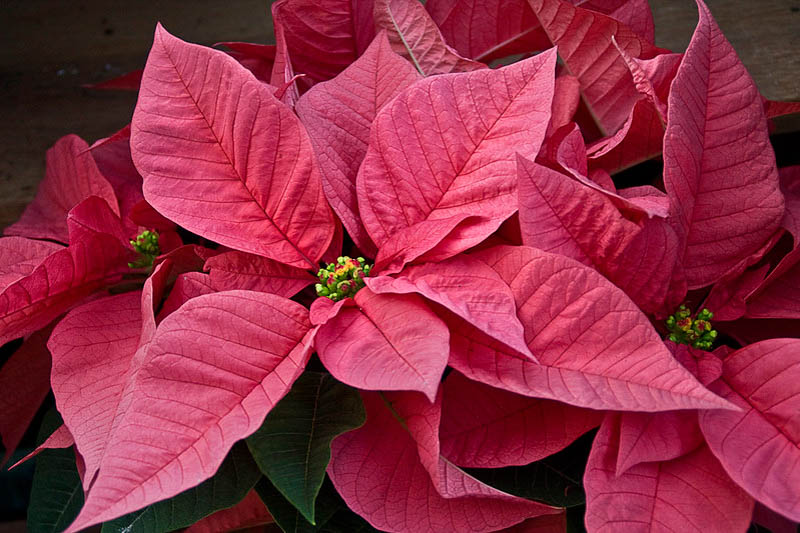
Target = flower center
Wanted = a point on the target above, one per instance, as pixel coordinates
(695, 332)
(146, 245)
(343, 278)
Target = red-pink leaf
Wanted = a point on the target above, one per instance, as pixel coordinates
(24, 384)
(388, 342)
(764, 516)
(152, 453)
(283, 75)
(71, 177)
(20, 256)
(60, 438)
(93, 216)
(723, 187)
(595, 347)
(468, 288)
(759, 446)
(488, 29)
(92, 349)
(61, 280)
(438, 150)
(113, 158)
(639, 139)
(584, 43)
(338, 115)
(552, 523)
(323, 39)
(485, 427)
(413, 34)
(378, 471)
(777, 296)
(635, 14)
(187, 286)
(727, 297)
(433, 241)
(561, 215)
(691, 493)
(656, 437)
(249, 512)
(257, 58)
(240, 270)
(125, 82)
(230, 163)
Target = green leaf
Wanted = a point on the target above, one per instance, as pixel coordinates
(57, 494)
(237, 474)
(333, 515)
(575, 522)
(293, 446)
(556, 480)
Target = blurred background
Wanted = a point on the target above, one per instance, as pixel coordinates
(49, 49)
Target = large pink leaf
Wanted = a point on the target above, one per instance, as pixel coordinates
(61, 280)
(98, 349)
(584, 43)
(223, 158)
(387, 342)
(379, 472)
(486, 30)
(71, 177)
(485, 427)
(92, 350)
(324, 38)
(446, 147)
(20, 256)
(724, 186)
(24, 384)
(239, 270)
(595, 347)
(759, 446)
(338, 115)
(467, 287)
(691, 493)
(561, 215)
(413, 34)
(655, 437)
(219, 364)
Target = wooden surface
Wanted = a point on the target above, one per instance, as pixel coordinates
(48, 49)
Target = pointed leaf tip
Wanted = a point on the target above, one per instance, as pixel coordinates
(215, 164)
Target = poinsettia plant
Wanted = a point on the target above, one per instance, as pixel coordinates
(369, 279)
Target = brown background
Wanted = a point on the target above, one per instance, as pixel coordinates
(48, 49)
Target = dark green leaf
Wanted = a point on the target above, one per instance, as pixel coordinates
(575, 519)
(57, 494)
(234, 479)
(556, 480)
(333, 515)
(293, 446)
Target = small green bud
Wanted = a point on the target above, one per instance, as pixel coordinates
(696, 332)
(146, 245)
(343, 278)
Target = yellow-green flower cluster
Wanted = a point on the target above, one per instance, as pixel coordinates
(343, 278)
(146, 245)
(695, 332)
